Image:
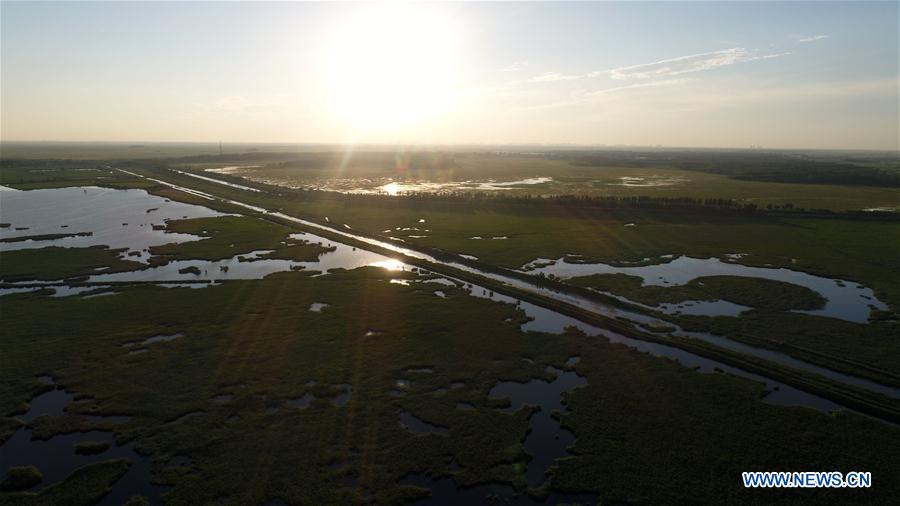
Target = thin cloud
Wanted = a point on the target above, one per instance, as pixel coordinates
(810, 38)
(770, 56)
(552, 77)
(690, 63)
(651, 84)
(593, 96)
(515, 66)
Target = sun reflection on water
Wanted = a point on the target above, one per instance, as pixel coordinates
(391, 265)
(391, 189)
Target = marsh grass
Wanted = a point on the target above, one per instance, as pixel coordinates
(227, 236)
(54, 263)
(757, 293)
(249, 339)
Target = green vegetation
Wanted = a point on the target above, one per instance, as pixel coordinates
(44, 237)
(85, 486)
(298, 251)
(87, 151)
(227, 236)
(860, 250)
(8, 427)
(21, 478)
(758, 293)
(616, 453)
(53, 263)
(870, 169)
(637, 174)
(868, 350)
(849, 249)
(91, 447)
(220, 394)
(137, 500)
(45, 427)
(836, 181)
(36, 174)
(248, 339)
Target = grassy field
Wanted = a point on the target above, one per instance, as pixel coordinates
(53, 263)
(370, 172)
(87, 485)
(860, 250)
(35, 174)
(838, 344)
(227, 236)
(135, 150)
(865, 251)
(252, 340)
(857, 250)
(257, 342)
(757, 293)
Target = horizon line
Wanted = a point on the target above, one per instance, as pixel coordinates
(459, 144)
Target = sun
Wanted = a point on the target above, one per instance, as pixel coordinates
(392, 65)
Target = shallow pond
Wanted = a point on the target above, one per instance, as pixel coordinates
(416, 425)
(546, 440)
(542, 320)
(782, 395)
(846, 300)
(703, 308)
(545, 320)
(398, 187)
(648, 181)
(375, 185)
(301, 402)
(251, 266)
(66, 291)
(56, 458)
(346, 390)
(231, 169)
(114, 218)
(10, 291)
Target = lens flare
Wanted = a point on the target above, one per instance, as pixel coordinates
(392, 65)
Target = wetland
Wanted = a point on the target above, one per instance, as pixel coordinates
(184, 319)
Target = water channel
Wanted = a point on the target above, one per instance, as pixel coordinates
(541, 319)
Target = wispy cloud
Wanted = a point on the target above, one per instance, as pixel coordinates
(660, 71)
(809, 38)
(651, 84)
(690, 63)
(604, 94)
(515, 66)
(552, 77)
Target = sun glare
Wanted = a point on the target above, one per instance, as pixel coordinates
(392, 65)
(391, 265)
(391, 189)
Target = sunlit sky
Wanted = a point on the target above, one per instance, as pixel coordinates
(717, 74)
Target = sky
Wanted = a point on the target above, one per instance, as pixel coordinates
(695, 74)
